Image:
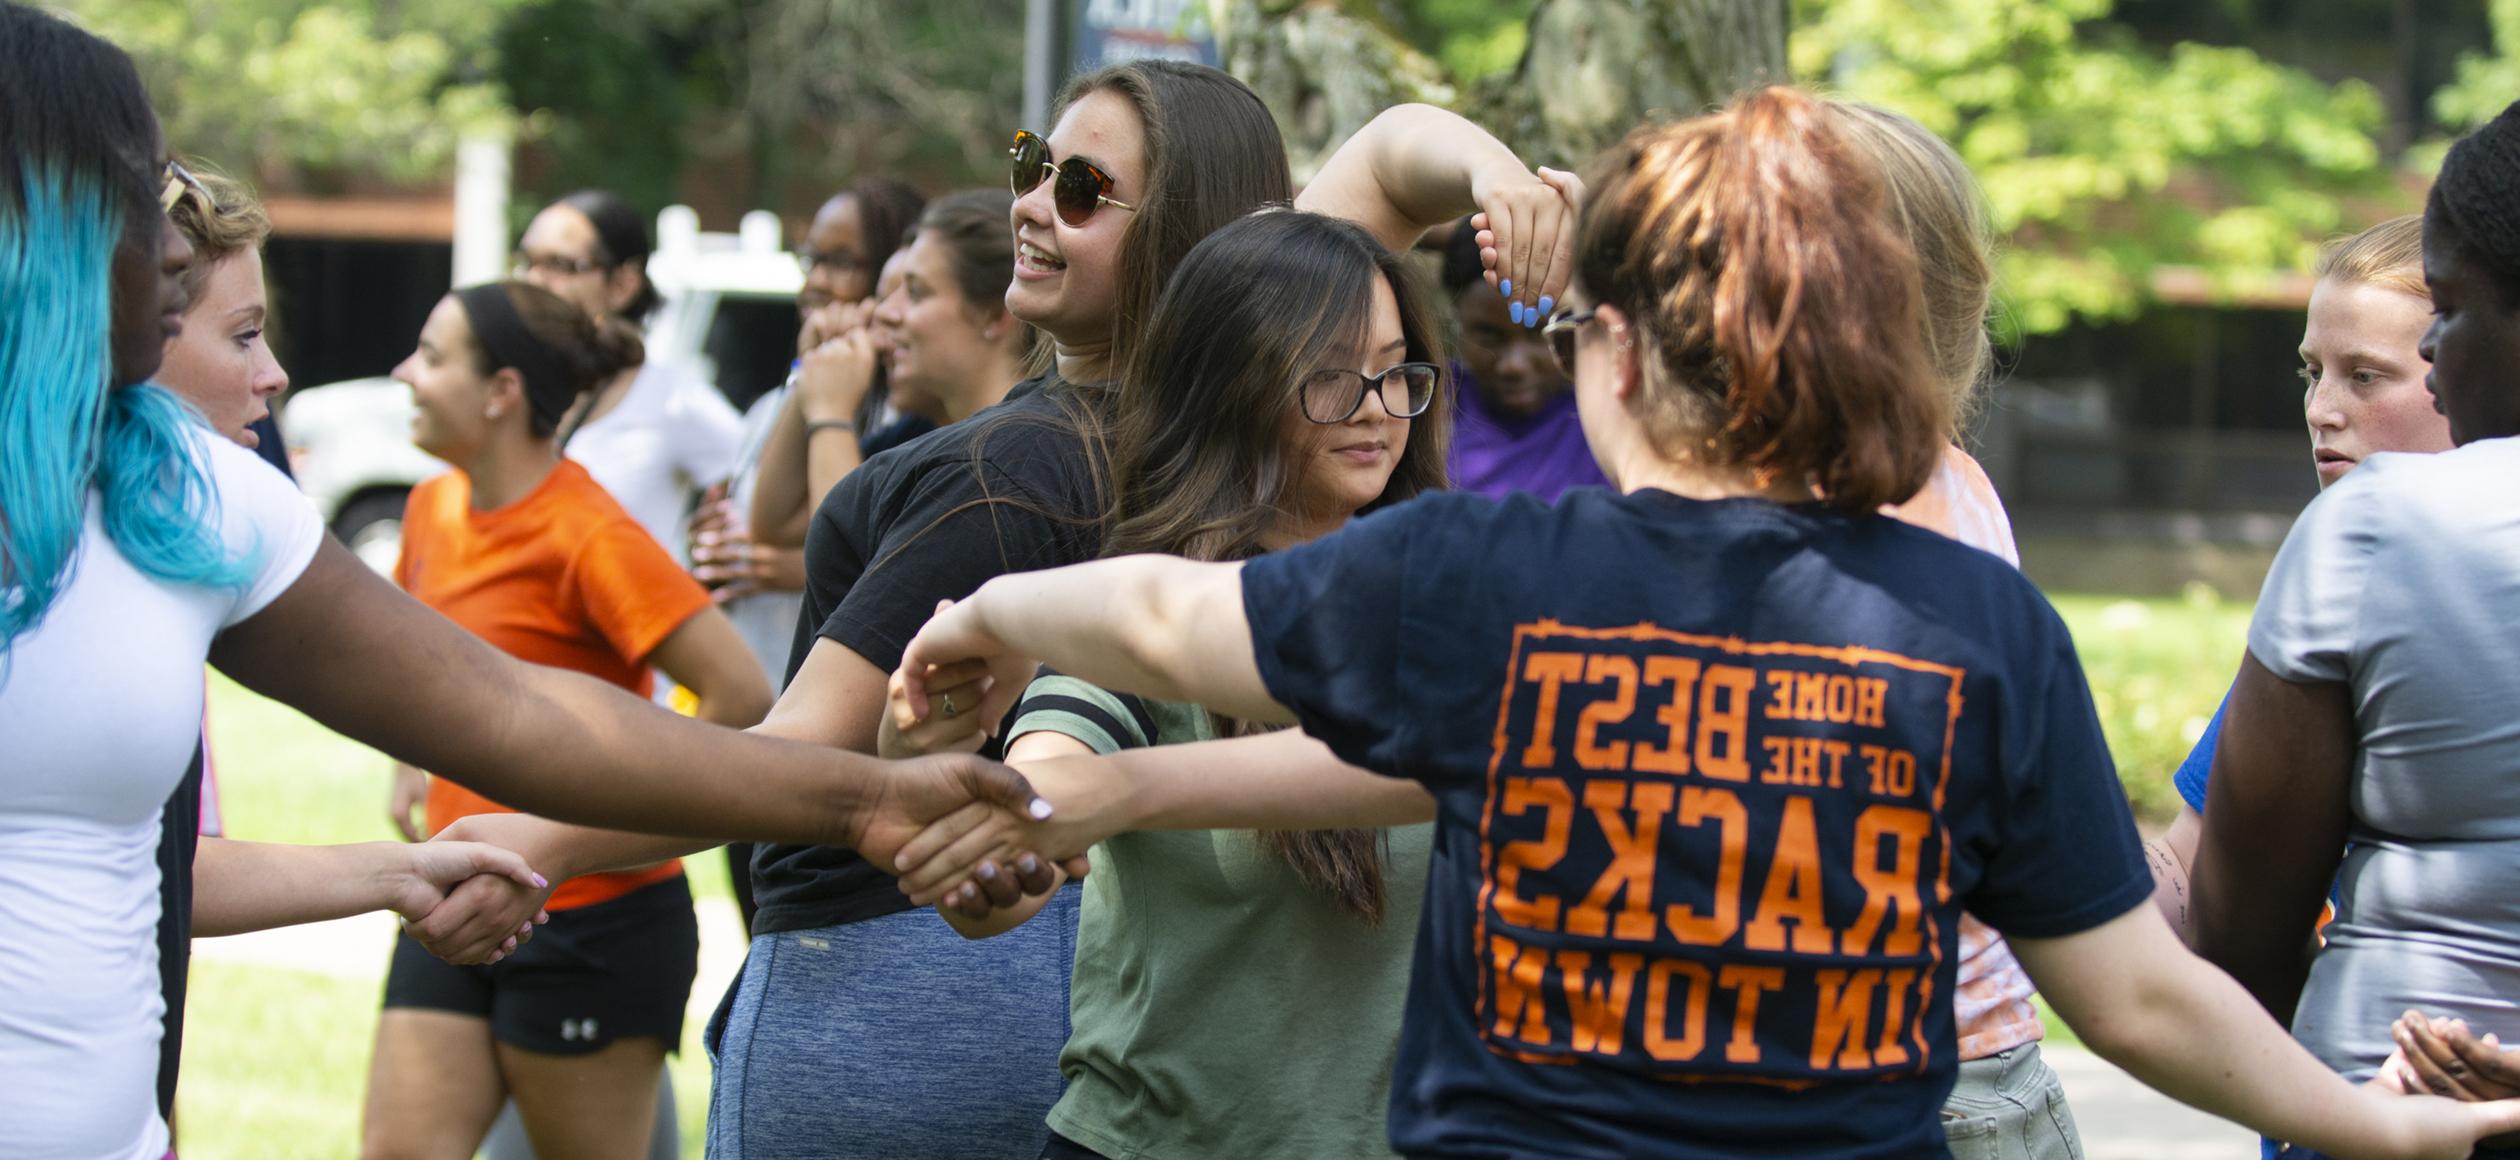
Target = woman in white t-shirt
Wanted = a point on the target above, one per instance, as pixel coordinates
(134, 545)
(657, 433)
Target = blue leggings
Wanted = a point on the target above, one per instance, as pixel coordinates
(894, 1037)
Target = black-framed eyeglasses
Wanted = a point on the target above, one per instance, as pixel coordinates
(180, 182)
(1330, 396)
(526, 263)
(1081, 187)
(1561, 335)
(838, 261)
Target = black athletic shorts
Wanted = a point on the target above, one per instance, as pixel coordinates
(593, 974)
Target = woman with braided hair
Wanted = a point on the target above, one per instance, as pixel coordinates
(2373, 715)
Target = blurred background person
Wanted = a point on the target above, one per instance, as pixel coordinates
(654, 434)
(521, 547)
(1516, 428)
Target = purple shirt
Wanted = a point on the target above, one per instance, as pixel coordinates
(1542, 454)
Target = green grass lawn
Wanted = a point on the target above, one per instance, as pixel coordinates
(276, 1059)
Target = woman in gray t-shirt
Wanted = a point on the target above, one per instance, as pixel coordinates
(2380, 701)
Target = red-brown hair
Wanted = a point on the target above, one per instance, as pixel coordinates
(1755, 252)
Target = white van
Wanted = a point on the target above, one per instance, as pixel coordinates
(729, 311)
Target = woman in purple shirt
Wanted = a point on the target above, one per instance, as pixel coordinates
(1515, 428)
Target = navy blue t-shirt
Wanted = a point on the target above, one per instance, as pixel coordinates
(1715, 781)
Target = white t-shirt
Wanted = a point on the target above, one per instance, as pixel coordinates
(766, 619)
(670, 434)
(100, 705)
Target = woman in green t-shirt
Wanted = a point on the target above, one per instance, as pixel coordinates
(1238, 993)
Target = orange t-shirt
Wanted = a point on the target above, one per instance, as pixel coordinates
(563, 577)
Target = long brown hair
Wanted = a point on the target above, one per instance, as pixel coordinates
(1754, 251)
(1199, 466)
(1213, 154)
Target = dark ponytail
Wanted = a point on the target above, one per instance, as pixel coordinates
(621, 232)
(563, 353)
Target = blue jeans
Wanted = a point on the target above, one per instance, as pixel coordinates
(2010, 1106)
(894, 1037)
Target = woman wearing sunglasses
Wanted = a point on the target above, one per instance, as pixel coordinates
(1287, 382)
(1170, 153)
(1716, 759)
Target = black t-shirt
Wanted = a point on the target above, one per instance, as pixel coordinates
(1715, 781)
(1008, 490)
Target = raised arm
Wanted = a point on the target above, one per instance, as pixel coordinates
(1415, 167)
(1157, 626)
(2276, 814)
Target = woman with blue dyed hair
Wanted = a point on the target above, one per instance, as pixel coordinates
(135, 544)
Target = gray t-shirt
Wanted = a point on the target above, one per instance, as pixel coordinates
(2403, 581)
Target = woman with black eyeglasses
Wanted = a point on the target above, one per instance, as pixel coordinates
(657, 432)
(1145, 161)
(1287, 382)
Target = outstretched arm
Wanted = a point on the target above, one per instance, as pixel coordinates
(248, 886)
(1275, 781)
(1157, 626)
(2143, 1002)
(347, 648)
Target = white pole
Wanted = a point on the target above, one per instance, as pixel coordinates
(1042, 68)
(481, 208)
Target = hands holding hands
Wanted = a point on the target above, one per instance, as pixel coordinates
(1526, 231)
(467, 897)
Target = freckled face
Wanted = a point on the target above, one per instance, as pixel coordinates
(2365, 376)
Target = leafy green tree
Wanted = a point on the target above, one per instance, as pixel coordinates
(321, 92)
(2486, 83)
(2104, 160)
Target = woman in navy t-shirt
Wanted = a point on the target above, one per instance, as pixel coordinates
(1716, 759)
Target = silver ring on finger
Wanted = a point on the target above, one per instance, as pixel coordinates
(950, 711)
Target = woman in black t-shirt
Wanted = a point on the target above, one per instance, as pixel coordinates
(1717, 761)
(1146, 160)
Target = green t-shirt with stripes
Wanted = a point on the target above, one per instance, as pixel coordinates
(1222, 1008)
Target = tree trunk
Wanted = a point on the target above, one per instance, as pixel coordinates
(1593, 70)
(1597, 68)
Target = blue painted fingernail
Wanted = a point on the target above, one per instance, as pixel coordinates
(1505, 286)
(1514, 310)
(1531, 320)
(1546, 303)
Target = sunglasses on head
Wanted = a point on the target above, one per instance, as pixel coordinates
(180, 183)
(1080, 187)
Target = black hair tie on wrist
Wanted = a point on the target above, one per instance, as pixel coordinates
(507, 342)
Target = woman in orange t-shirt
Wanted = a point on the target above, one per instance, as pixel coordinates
(527, 551)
